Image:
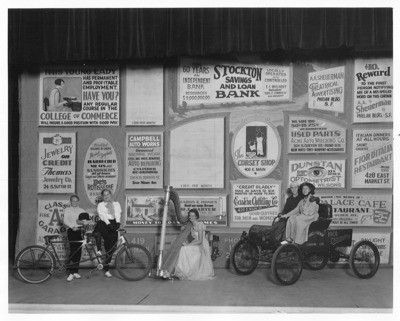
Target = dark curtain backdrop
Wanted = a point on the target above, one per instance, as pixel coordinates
(38, 36)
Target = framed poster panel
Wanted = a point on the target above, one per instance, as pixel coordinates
(256, 148)
(372, 160)
(144, 160)
(212, 83)
(360, 209)
(321, 173)
(79, 96)
(197, 154)
(373, 90)
(309, 134)
(100, 168)
(144, 95)
(254, 202)
(57, 163)
(326, 89)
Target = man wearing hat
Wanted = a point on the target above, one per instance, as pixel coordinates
(300, 218)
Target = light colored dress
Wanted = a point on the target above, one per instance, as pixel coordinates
(300, 219)
(194, 261)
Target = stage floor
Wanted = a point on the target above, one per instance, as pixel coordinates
(331, 290)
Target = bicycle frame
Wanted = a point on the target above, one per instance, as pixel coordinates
(121, 241)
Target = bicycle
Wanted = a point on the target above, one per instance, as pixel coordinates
(35, 263)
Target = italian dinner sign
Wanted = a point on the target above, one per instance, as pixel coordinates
(372, 161)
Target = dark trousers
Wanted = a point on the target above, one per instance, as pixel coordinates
(74, 255)
(110, 238)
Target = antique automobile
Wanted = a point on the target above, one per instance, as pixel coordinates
(263, 244)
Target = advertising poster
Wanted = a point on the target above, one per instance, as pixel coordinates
(360, 210)
(57, 163)
(100, 169)
(308, 134)
(326, 89)
(144, 160)
(148, 211)
(256, 148)
(50, 222)
(372, 161)
(373, 90)
(320, 173)
(197, 154)
(255, 202)
(212, 209)
(211, 83)
(144, 96)
(79, 96)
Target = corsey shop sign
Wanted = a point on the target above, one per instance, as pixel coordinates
(372, 161)
(256, 148)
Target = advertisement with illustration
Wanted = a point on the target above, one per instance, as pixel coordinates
(212, 209)
(144, 160)
(255, 201)
(148, 211)
(213, 83)
(79, 96)
(57, 163)
(372, 161)
(256, 148)
(309, 134)
(373, 90)
(360, 209)
(326, 89)
(320, 173)
(100, 169)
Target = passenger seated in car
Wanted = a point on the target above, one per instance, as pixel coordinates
(293, 199)
(300, 218)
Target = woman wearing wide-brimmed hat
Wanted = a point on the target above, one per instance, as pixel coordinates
(302, 216)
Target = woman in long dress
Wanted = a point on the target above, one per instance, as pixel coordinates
(194, 261)
(302, 216)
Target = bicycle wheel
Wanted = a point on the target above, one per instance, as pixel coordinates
(35, 264)
(316, 261)
(133, 262)
(244, 257)
(364, 259)
(287, 264)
